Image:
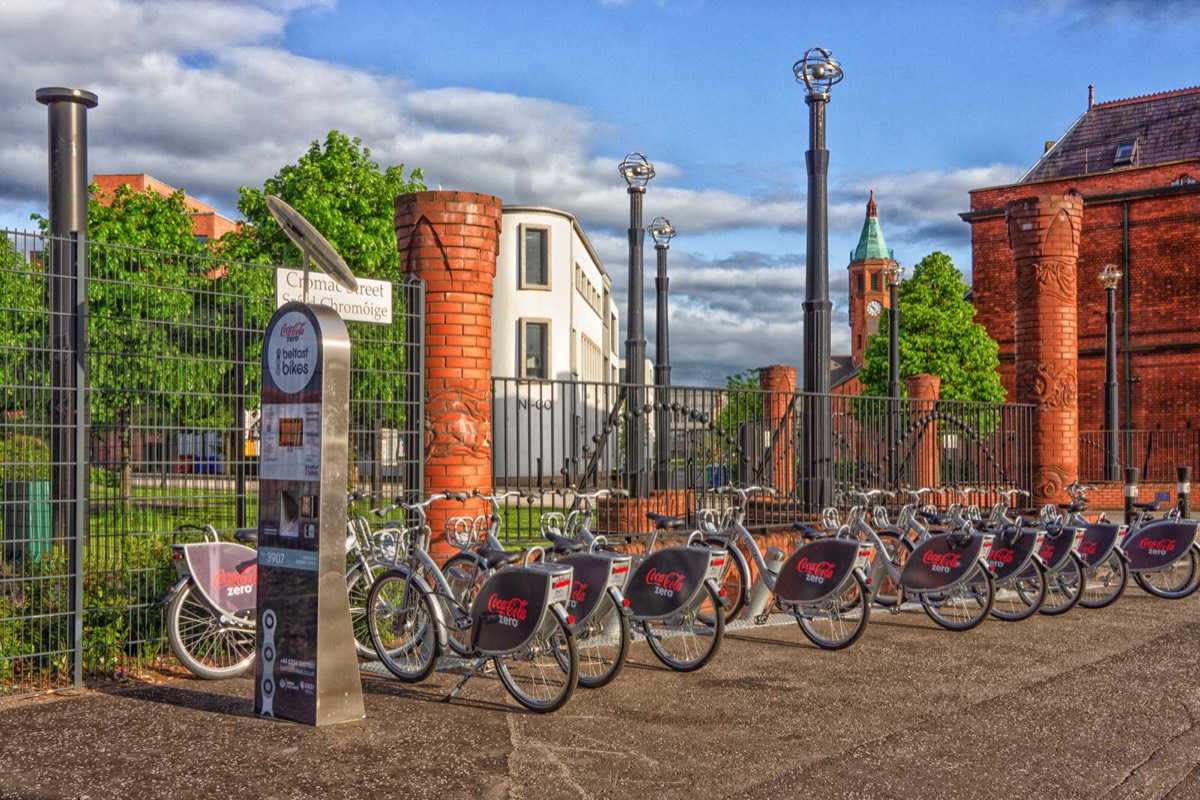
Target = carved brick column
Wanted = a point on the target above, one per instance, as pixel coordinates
(779, 387)
(450, 240)
(1044, 233)
(923, 392)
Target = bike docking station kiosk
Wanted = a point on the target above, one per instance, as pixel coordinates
(306, 668)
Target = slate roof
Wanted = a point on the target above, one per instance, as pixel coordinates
(870, 241)
(1165, 125)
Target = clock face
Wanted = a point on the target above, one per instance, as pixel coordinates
(874, 308)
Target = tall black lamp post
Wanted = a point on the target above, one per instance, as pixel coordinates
(662, 231)
(818, 72)
(637, 172)
(1109, 278)
(893, 274)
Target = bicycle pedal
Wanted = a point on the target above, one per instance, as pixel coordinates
(462, 623)
(761, 619)
(895, 609)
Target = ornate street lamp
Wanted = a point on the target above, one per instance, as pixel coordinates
(637, 172)
(818, 71)
(893, 274)
(662, 231)
(1109, 278)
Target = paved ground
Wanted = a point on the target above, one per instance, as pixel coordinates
(1095, 704)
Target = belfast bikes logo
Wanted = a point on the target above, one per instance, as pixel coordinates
(293, 352)
(815, 571)
(942, 562)
(511, 611)
(665, 584)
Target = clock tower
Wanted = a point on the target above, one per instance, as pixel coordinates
(868, 284)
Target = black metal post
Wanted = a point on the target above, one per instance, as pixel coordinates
(635, 352)
(1131, 492)
(1184, 474)
(893, 374)
(662, 372)
(1112, 442)
(67, 128)
(817, 311)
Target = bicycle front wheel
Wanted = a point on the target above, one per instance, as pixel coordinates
(689, 639)
(543, 674)
(840, 620)
(1175, 581)
(1020, 596)
(964, 606)
(358, 586)
(1063, 587)
(1104, 583)
(602, 644)
(402, 627)
(209, 648)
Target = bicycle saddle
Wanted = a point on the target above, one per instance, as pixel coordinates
(562, 545)
(246, 535)
(665, 522)
(496, 558)
(1146, 506)
(935, 519)
(808, 531)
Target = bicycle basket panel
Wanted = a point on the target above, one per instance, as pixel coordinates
(939, 562)
(226, 575)
(1098, 541)
(816, 570)
(593, 575)
(1160, 544)
(512, 604)
(667, 581)
(1006, 559)
(1056, 546)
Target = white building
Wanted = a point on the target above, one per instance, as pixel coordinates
(556, 345)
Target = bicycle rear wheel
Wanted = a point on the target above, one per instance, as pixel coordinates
(402, 627)
(1104, 583)
(1063, 587)
(542, 675)
(840, 620)
(602, 645)
(1175, 581)
(964, 606)
(1018, 597)
(209, 648)
(688, 640)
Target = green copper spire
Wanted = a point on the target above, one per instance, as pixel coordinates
(870, 243)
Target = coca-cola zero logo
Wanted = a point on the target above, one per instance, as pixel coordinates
(235, 582)
(511, 610)
(1087, 549)
(293, 331)
(1004, 555)
(941, 562)
(1157, 547)
(579, 592)
(819, 569)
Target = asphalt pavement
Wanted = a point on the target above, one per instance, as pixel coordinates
(1092, 704)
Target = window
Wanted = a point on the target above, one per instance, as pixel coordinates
(535, 349)
(860, 283)
(1183, 180)
(875, 282)
(1126, 154)
(535, 257)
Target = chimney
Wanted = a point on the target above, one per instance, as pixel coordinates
(1049, 144)
(1091, 96)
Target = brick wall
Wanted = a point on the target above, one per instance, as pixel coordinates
(1163, 276)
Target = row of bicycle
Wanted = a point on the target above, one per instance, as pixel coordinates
(550, 617)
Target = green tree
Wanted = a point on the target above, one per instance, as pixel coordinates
(938, 335)
(348, 198)
(23, 329)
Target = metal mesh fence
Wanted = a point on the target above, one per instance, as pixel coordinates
(165, 425)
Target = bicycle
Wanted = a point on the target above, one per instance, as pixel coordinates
(1163, 555)
(823, 584)
(211, 609)
(517, 621)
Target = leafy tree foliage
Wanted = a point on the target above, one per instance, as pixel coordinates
(938, 335)
(22, 328)
(348, 198)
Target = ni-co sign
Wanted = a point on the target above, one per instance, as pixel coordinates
(372, 302)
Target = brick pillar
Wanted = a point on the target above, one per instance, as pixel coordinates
(450, 240)
(1044, 234)
(923, 392)
(779, 387)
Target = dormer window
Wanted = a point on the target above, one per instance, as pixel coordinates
(1126, 154)
(1183, 180)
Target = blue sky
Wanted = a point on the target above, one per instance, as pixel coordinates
(537, 103)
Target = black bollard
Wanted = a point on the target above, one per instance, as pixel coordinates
(1131, 492)
(1185, 491)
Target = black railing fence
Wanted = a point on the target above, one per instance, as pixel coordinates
(1156, 453)
(160, 429)
(567, 435)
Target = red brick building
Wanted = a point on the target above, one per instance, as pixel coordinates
(207, 223)
(1135, 164)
